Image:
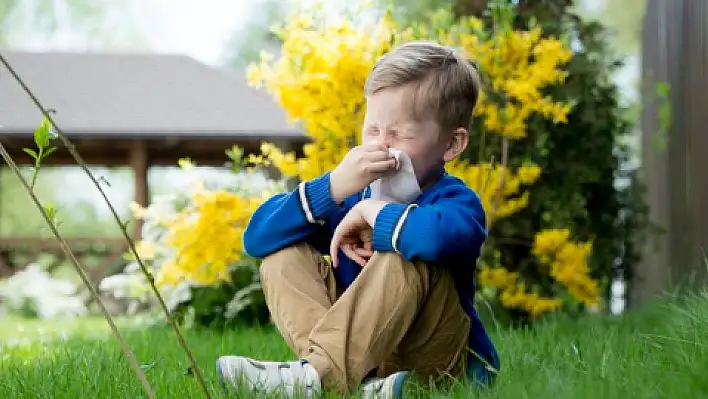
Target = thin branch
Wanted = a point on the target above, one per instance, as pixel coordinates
(502, 175)
(480, 156)
(67, 250)
(151, 280)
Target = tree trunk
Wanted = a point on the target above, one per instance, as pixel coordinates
(469, 8)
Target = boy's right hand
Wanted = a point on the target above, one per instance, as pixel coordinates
(359, 168)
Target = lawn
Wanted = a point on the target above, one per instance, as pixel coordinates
(659, 352)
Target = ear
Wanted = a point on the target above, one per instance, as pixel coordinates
(457, 144)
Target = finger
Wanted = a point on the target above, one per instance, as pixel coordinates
(368, 245)
(377, 155)
(374, 146)
(363, 252)
(348, 250)
(366, 235)
(334, 250)
(382, 166)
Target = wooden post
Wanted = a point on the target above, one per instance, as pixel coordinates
(139, 163)
(674, 53)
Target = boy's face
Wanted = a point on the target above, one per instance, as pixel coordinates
(389, 120)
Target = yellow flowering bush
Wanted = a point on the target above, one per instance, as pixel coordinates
(193, 243)
(206, 237)
(567, 262)
(567, 265)
(318, 79)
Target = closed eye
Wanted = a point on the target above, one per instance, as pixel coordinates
(405, 136)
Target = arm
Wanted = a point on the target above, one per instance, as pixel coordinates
(453, 226)
(288, 218)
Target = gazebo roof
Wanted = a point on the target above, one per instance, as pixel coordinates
(147, 96)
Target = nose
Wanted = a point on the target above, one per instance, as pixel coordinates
(386, 140)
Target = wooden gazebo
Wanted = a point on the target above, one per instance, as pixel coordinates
(135, 110)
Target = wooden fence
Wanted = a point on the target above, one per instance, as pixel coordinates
(674, 138)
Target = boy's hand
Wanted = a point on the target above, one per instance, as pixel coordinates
(354, 234)
(360, 167)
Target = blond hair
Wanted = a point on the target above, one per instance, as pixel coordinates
(446, 84)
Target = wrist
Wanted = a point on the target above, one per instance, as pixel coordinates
(369, 209)
(316, 199)
(389, 222)
(334, 190)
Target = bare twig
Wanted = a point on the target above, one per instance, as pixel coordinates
(480, 156)
(148, 276)
(502, 175)
(65, 247)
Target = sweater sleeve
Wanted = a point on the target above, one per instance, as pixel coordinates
(288, 218)
(452, 226)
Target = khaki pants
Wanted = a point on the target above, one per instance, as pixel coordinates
(397, 315)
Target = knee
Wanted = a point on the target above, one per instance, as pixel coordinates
(394, 266)
(279, 263)
(391, 260)
(274, 264)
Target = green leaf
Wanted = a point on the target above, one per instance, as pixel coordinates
(663, 89)
(235, 154)
(43, 134)
(147, 366)
(51, 211)
(39, 136)
(30, 152)
(48, 152)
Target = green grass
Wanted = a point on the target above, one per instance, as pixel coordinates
(660, 352)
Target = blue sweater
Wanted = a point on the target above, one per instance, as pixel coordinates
(445, 224)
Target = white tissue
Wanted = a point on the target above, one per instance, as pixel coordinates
(401, 187)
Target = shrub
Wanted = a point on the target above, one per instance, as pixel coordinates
(33, 293)
(192, 242)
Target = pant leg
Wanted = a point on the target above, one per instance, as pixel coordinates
(370, 321)
(435, 346)
(299, 287)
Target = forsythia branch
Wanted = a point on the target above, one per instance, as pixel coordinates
(65, 247)
(498, 194)
(72, 150)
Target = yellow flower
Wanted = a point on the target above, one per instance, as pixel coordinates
(549, 241)
(137, 210)
(146, 250)
(497, 277)
(185, 164)
(528, 174)
(206, 237)
(568, 263)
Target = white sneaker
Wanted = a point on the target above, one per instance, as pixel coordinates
(390, 387)
(286, 378)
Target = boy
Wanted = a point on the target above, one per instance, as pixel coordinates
(398, 296)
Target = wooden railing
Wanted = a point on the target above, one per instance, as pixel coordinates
(99, 255)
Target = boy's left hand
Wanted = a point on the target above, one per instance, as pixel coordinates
(354, 234)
